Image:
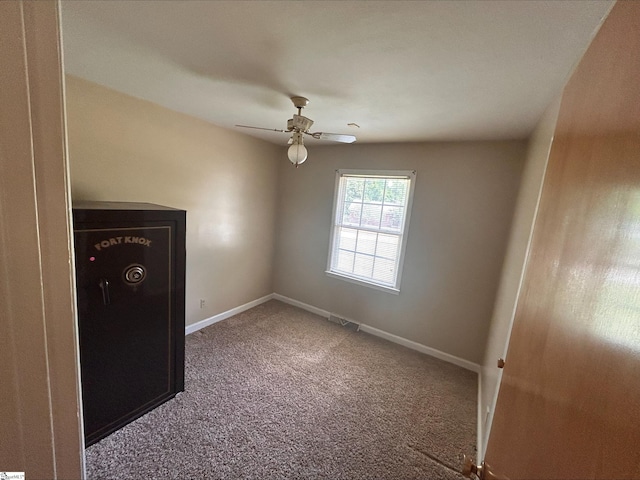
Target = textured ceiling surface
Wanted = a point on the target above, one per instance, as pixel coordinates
(401, 70)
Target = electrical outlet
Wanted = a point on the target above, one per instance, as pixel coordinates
(202, 303)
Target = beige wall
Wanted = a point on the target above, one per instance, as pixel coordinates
(40, 422)
(512, 272)
(462, 210)
(125, 149)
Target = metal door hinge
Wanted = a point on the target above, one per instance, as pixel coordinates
(482, 471)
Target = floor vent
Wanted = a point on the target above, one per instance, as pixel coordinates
(344, 322)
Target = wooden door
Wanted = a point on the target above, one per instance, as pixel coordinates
(569, 401)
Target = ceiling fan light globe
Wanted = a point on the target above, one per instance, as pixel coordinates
(297, 153)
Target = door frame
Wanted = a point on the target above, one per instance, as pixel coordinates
(41, 408)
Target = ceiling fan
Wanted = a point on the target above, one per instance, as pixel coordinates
(299, 126)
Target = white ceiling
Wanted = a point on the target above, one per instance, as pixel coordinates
(402, 70)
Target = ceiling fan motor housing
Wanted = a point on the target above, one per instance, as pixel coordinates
(298, 122)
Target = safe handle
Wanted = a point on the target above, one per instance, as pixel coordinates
(104, 286)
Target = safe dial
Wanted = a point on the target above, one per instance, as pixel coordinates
(134, 274)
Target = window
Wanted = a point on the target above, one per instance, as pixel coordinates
(370, 225)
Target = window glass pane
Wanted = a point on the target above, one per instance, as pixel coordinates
(371, 216)
(347, 238)
(388, 246)
(374, 190)
(351, 213)
(396, 191)
(384, 270)
(363, 265)
(369, 225)
(367, 242)
(344, 262)
(392, 218)
(353, 189)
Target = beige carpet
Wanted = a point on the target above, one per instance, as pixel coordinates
(277, 392)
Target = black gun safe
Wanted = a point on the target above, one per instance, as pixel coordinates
(130, 276)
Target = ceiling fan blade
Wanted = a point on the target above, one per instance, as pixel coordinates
(260, 128)
(336, 137)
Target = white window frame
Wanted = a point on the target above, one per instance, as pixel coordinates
(337, 222)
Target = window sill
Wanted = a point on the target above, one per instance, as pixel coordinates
(364, 283)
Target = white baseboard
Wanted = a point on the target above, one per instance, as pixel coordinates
(461, 362)
(304, 306)
(480, 429)
(194, 327)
